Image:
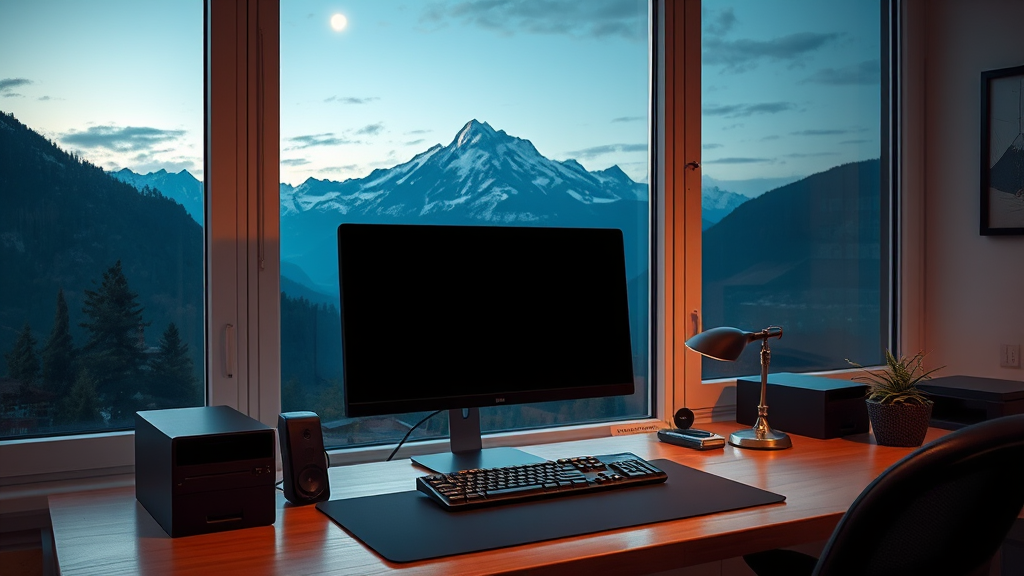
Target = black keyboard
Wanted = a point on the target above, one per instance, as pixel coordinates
(475, 488)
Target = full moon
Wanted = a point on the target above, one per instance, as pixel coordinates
(338, 22)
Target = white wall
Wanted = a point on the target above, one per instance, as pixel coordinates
(973, 285)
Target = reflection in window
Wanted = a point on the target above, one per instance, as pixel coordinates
(101, 155)
(455, 113)
(791, 180)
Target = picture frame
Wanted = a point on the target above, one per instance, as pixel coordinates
(1002, 151)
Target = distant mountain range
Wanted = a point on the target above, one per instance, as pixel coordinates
(716, 204)
(483, 175)
(182, 187)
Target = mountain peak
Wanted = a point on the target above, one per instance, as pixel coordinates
(473, 132)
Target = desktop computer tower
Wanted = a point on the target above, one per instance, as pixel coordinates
(205, 469)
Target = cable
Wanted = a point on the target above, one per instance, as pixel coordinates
(395, 451)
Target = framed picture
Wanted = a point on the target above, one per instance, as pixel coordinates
(1002, 151)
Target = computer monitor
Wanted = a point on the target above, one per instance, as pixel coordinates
(462, 317)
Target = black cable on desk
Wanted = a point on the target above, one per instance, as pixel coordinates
(395, 451)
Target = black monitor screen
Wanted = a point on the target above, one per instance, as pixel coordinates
(448, 317)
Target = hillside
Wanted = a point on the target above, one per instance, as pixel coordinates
(805, 256)
(66, 221)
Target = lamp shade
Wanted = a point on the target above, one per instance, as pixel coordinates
(722, 343)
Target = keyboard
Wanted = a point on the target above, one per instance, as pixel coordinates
(563, 477)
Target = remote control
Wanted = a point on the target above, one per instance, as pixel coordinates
(691, 438)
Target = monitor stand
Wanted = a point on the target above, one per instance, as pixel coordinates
(467, 450)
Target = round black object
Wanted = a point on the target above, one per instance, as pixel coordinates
(684, 418)
(311, 482)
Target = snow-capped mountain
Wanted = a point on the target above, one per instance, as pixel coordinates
(182, 187)
(483, 176)
(716, 204)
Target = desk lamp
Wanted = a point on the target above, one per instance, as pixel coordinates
(727, 344)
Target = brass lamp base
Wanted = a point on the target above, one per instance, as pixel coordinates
(760, 437)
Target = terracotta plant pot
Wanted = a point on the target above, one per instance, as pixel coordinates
(903, 424)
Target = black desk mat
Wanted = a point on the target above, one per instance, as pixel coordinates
(408, 526)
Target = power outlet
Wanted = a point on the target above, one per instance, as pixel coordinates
(1010, 356)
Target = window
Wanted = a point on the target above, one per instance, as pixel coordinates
(456, 113)
(101, 234)
(266, 342)
(793, 189)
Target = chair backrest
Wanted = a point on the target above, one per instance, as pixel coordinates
(943, 509)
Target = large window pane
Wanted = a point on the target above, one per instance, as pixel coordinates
(791, 116)
(101, 241)
(457, 113)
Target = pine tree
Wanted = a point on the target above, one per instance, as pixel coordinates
(172, 371)
(22, 362)
(82, 405)
(112, 352)
(59, 352)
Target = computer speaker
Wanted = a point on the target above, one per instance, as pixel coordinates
(303, 458)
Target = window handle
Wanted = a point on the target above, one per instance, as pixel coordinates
(695, 318)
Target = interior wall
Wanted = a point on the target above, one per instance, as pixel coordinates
(973, 285)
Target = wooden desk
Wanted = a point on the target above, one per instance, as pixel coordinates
(106, 532)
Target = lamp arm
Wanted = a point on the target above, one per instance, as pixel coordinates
(769, 332)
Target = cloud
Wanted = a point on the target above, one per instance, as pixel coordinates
(316, 140)
(855, 142)
(412, 132)
(743, 110)
(822, 132)
(415, 142)
(711, 146)
(351, 100)
(866, 73)
(340, 169)
(294, 161)
(810, 154)
(371, 129)
(717, 24)
(593, 18)
(596, 151)
(770, 137)
(8, 85)
(629, 119)
(737, 160)
(739, 55)
(120, 139)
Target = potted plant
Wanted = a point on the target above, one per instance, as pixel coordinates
(898, 410)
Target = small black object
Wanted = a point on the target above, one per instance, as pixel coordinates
(683, 418)
(806, 405)
(204, 469)
(485, 487)
(692, 438)
(303, 458)
(964, 400)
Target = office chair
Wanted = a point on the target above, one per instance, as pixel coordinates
(943, 509)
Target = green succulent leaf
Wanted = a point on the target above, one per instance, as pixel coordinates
(898, 382)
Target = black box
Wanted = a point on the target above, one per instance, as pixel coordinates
(206, 469)
(806, 405)
(964, 400)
